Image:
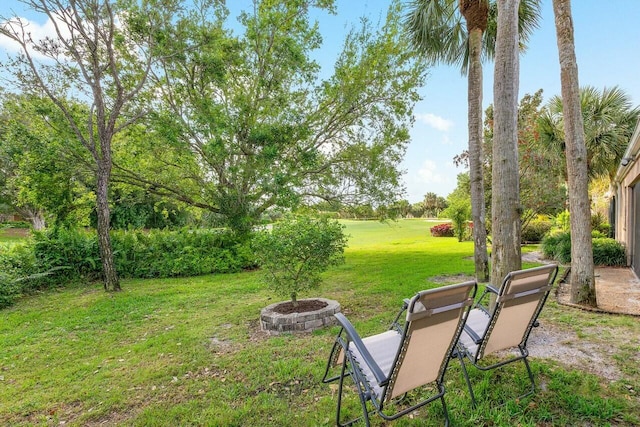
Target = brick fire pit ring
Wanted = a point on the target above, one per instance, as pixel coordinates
(272, 321)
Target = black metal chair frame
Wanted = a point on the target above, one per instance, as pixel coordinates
(349, 336)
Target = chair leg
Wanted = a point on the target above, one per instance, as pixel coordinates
(466, 377)
(524, 360)
(533, 382)
(446, 413)
(363, 401)
(340, 385)
(331, 361)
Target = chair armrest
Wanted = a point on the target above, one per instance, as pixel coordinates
(474, 336)
(396, 322)
(491, 288)
(488, 289)
(355, 339)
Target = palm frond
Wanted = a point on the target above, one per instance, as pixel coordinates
(436, 30)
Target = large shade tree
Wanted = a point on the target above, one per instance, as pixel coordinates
(43, 173)
(463, 32)
(245, 123)
(100, 53)
(582, 267)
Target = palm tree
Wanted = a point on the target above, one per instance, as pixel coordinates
(438, 31)
(582, 270)
(505, 183)
(609, 119)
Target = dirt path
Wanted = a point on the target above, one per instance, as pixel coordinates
(566, 348)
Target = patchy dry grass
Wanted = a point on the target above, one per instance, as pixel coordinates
(189, 351)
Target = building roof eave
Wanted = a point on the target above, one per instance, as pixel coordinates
(633, 149)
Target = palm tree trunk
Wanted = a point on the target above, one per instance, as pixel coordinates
(478, 209)
(582, 268)
(506, 209)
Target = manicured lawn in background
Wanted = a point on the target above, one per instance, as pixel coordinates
(189, 351)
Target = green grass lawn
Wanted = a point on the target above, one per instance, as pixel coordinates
(189, 351)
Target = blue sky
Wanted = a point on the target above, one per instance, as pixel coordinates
(607, 37)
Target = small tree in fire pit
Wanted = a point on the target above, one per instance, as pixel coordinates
(296, 251)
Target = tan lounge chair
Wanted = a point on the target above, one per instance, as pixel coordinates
(388, 365)
(517, 307)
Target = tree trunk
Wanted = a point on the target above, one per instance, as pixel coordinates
(505, 205)
(582, 269)
(478, 209)
(35, 217)
(37, 220)
(110, 276)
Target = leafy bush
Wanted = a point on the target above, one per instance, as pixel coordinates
(18, 272)
(296, 251)
(71, 252)
(606, 251)
(600, 224)
(459, 211)
(563, 221)
(557, 246)
(162, 253)
(59, 256)
(9, 290)
(442, 230)
(535, 230)
(15, 224)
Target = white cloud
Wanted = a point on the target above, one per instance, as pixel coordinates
(436, 122)
(429, 174)
(35, 30)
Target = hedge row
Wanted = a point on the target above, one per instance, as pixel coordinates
(61, 256)
(606, 251)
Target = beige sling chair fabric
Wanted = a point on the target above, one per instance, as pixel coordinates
(517, 307)
(390, 364)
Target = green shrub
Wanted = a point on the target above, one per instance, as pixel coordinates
(606, 251)
(557, 246)
(535, 230)
(296, 251)
(9, 290)
(459, 211)
(15, 224)
(18, 273)
(186, 252)
(563, 221)
(71, 253)
(60, 256)
(140, 254)
(600, 224)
